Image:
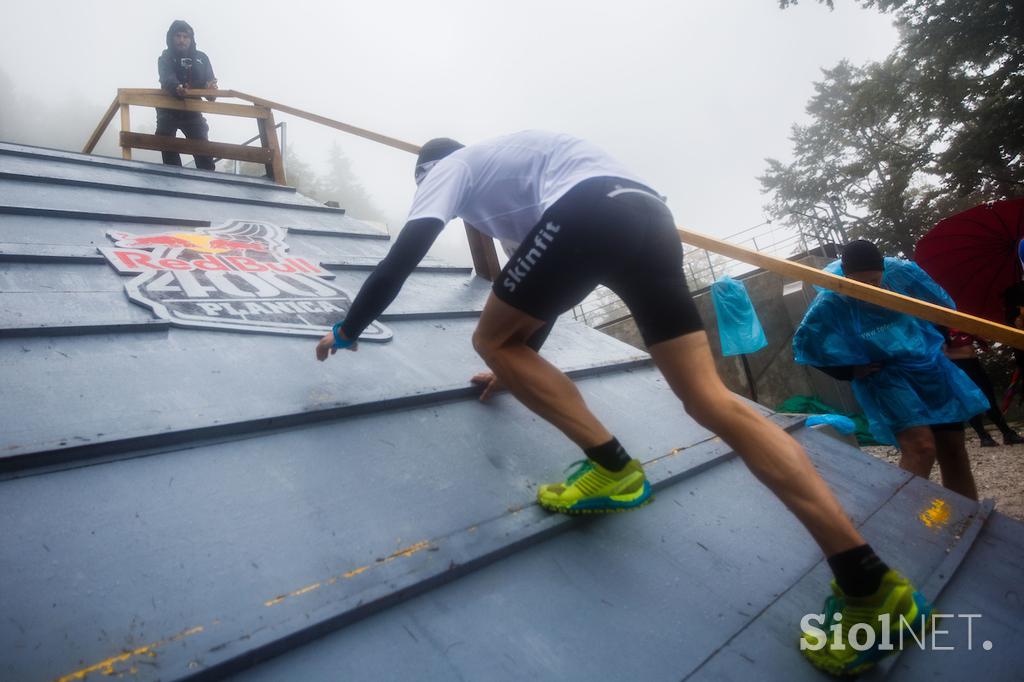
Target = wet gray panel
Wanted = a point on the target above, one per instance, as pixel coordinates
(52, 253)
(59, 157)
(50, 310)
(44, 287)
(122, 386)
(903, 535)
(55, 232)
(988, 584)
(641, 595)
(44, 170)
(73, 253)
(37, 195)
(214, 532)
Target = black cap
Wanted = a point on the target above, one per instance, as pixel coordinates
(862, 256)
(436, 149)
(432, 152)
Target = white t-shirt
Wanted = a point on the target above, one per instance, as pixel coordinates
(503, 186)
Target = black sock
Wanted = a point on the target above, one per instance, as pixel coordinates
(858, 571)
(610, 455)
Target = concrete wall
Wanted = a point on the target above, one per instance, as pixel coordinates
(776, 375)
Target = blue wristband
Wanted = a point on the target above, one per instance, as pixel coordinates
(338, 341)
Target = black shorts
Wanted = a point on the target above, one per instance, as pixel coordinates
(606, 231)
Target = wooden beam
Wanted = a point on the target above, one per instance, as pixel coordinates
(277, 163)
(126, 127)
(864, 292)
(101, 128)
(166, 143)
(331, 123)
(194, 104)
(485, 257)
(198, 92)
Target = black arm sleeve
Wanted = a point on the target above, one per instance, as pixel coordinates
(384, 283)
(842, 373)
(168, 75)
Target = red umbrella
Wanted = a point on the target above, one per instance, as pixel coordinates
(973, 256)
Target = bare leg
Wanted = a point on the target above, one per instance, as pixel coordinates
(955, 464)
(770, 453)
(917, 448)
(500, 339)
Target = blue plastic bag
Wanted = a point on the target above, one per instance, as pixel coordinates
(843, 425)
(738, 327)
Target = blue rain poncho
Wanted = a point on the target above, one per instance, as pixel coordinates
(738, 327)
(916, 385)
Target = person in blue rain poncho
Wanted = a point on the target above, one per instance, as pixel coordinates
(911, 393)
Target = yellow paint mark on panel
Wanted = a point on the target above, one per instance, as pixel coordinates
(937, 515)
(407, 552)
(107, 667)
(304, 590)
(355, 571)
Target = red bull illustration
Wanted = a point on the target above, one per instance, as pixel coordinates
(237, 276)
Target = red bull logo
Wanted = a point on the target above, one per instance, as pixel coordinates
(202, 243)
(235, 276)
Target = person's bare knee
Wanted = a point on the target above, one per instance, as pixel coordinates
(917, 448)
(710, 407)
(500, 326)
(485, 345)
(688, 367)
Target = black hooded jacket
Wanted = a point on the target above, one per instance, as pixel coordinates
(192, 70)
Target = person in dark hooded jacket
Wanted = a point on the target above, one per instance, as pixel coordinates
(182, 67)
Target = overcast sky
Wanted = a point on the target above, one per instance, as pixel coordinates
(691, 95)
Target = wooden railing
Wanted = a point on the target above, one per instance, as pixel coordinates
(269, 154)
(484, 254)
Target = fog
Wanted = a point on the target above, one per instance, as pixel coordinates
(690, 95)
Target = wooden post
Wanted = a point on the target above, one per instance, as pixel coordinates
(277, 165)
(104, 122)
(485, 257)
(126, 127)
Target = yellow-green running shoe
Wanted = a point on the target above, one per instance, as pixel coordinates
(870, 628)
(592, 489)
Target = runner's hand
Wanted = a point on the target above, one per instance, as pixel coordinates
(325, 347)
(489, 382)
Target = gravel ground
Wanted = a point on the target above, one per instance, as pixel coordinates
(998, 472)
